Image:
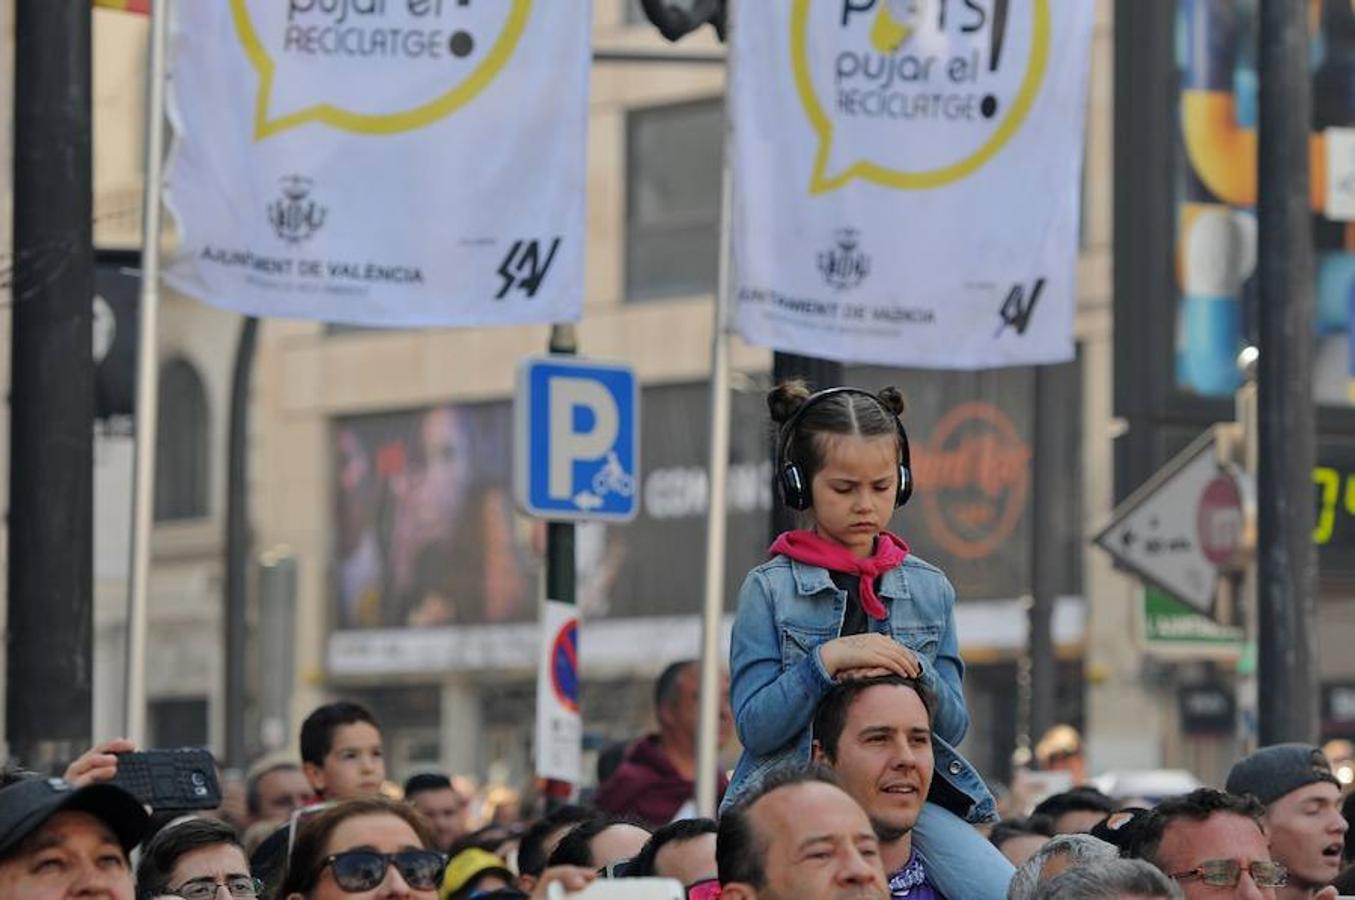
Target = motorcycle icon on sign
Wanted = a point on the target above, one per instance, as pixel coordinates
(612, 478)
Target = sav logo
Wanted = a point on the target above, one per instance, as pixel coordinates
(373, 66)
(295, 217)
(915, 94)
(525, 266)
(1018, 307)
(845, 265)
(974, 478)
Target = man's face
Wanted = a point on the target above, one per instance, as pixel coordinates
(282, 792)
(445, 811)
(1307, 832)
(354, 766)
(819, 846)
(72, 854)
(209, 866)
(1186, 844)
(884, 757)
(680, 720)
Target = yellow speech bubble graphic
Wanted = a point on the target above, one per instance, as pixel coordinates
(889, 33)
(373, 123)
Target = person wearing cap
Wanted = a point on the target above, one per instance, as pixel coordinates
(472, 872)
(1302, 798)
(1060, 750)
(58, 841)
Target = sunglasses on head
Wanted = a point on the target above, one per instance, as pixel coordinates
(363, 870)
(299, 816)
(1227, 873)
(618, 869)
(708, 889)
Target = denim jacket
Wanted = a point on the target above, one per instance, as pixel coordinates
(787, 611)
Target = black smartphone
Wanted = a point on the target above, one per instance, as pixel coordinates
(170, 780)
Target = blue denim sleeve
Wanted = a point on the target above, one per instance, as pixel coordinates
(961, 862)
(943, 677)
(771, 707)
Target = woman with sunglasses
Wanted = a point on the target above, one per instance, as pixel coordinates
(363, 849)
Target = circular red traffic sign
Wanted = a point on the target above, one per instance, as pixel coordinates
(1220, 522)
(564, 666)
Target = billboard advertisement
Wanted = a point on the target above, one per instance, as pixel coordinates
(426, 534)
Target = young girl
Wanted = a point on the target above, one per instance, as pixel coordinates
(846, 599)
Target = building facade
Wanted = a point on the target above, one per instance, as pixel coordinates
(388, 563)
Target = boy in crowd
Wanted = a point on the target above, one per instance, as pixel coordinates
(1302, 797)
(341, 751)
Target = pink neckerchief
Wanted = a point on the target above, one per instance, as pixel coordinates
(808, 547)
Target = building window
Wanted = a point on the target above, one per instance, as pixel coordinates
(178, 722)
(181, 454)
(674, 154)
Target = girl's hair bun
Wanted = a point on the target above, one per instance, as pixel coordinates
(786, 398)
(891, 398)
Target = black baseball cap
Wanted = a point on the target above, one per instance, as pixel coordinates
(26, 804)
(1271, 772)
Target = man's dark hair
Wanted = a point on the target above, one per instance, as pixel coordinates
(672, 833)
(666, 685)
(253, 796)
(487, 837)
(163, 852)
(1348, 813)
(739, 849)
(1078, 799)
(831, 716)
(532, 852)
(1031, 826)
(317, 732)
(1196, 806)
(575, 848)
(426, 781)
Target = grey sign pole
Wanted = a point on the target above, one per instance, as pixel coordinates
(1287, 560)
(49, 640)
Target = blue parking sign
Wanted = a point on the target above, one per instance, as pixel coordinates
(576, 439)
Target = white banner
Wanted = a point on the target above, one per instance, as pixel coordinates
(559, 731)
(381, 162)
(906, 178)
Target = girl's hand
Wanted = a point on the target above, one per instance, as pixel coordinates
(869, 651)
(863, 674)
(559, 881)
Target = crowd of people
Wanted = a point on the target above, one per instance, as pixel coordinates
(846, 692)
(331, 825)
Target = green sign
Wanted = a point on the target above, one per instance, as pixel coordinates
(1170, 623)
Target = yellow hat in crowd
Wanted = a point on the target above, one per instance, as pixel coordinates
(469, 867)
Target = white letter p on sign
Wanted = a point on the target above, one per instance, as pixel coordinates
(568, 446)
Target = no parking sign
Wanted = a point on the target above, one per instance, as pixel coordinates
(558, 729)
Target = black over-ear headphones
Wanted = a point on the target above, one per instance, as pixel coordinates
(795, 486)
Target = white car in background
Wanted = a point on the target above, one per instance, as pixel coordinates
(1145, 787)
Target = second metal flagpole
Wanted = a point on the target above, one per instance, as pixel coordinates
(708, 722)
(147, 372)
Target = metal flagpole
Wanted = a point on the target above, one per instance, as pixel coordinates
(147, 371)
(707, 745)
